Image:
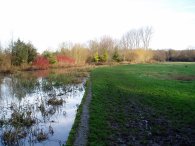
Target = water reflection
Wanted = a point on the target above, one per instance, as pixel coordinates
(37, 111)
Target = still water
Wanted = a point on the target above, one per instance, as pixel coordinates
(26, 116)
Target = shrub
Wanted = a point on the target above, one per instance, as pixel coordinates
(22, 53)
(141, 56)
(50, 56)
(116, 57)
(65, 59)
(104, 57)
(96, 57)
(41, 62)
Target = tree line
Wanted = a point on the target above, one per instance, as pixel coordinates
(132, 47)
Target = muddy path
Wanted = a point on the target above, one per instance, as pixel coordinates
(83, 129)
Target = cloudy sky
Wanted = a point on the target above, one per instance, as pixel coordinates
(47, 23)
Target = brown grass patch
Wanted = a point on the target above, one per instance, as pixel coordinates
(171, 76)
(184, 77)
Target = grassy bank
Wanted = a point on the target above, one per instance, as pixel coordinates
(143, 105)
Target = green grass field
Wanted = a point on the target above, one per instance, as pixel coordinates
(143, 104)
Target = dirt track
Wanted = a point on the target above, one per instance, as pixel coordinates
(81, 137)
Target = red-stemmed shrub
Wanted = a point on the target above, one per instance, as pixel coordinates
(41, 62)
(65, 59)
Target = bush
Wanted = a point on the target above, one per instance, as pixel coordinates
(22, 53)
(96, 57)
(41, 62)
(104, 57)
(116, 57)
(140, 56)
(50, 56)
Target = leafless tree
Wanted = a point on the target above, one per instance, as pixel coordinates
(146, 34)
(0, 47)
(128, 42)
(106, 42)
(66, 45)
(137, 38)
(124, 42)
(80, 53)
(131, 39)
(93, 45)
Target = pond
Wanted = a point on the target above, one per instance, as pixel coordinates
(37, 110)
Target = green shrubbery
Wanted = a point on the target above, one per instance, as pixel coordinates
(50, 56)
(22, 53)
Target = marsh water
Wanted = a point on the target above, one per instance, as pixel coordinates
(26, 116)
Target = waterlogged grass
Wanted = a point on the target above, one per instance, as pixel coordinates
(143, 104)
(23, 116)
(72, 76)
(61, 79)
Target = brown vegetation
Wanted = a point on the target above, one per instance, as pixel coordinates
(185, 77)
(55, 101)
(42, 136)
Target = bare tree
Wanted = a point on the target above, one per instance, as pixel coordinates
(146, 34)
(80, 53)
(66, 45)
(127, 40)
(1, 48)
(131, 39)
(106, 42)
(93, 45)
(137, 38)
(124, 42)
(107, 46)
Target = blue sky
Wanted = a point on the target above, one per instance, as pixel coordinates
(47, 23)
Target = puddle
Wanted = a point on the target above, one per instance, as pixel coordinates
(27, 99)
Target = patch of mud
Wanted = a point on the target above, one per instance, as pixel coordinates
(184, 77)
(142, 126)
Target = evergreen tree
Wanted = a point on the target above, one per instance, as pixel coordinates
(22, 53)
(116, 56)
(32, 52)
(104, 57)
(96, 57)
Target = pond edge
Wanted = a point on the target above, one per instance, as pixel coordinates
(74, 130)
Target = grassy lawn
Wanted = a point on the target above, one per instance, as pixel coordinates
(143, 105)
